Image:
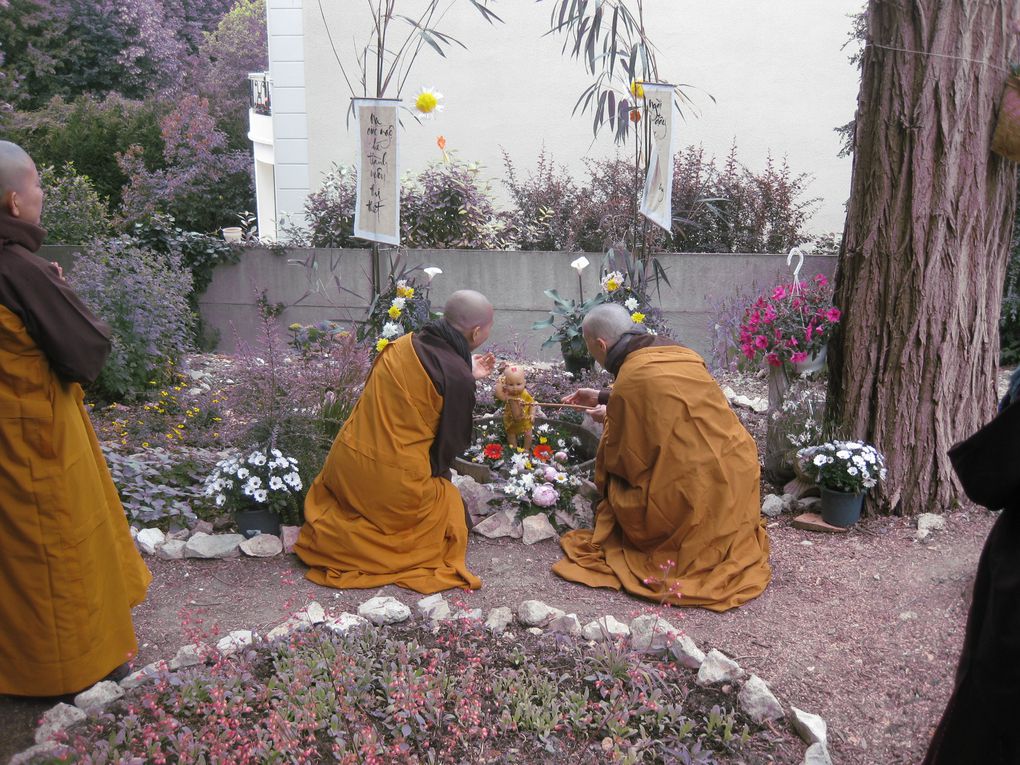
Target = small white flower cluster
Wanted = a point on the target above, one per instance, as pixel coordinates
(540, 483)
(263, 478)
(850, 466)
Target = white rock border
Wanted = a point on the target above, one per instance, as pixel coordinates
(648, 633)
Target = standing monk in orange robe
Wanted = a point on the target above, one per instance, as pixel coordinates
(69, 571)
(383, 509)
(679, 520)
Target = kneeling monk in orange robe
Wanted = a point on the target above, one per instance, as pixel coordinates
(383, 510)
(69, 571)
(679, 520)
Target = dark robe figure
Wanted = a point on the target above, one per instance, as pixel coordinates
(979, 724)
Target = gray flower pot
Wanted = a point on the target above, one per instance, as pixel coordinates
(257, 521)
(840, 508)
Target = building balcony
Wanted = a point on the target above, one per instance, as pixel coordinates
(259, 93)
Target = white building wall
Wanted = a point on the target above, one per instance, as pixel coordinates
(287, 70)
(780, 80)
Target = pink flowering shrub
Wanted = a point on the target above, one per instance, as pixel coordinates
(790, 322)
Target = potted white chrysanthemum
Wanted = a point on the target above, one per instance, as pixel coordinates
(258, 488)
(844, 471)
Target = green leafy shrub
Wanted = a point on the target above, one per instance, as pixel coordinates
(74, 213)
(90, 132)
(143, 296)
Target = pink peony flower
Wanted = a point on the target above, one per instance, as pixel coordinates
(773, 360)
(544, 495)
(761, 342)
(798, 357)
(550, 473)
(561, 456)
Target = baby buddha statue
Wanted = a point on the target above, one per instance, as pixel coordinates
(518, 418)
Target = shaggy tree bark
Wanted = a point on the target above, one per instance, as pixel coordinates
(913, 365)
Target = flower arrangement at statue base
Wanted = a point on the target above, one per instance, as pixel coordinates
(262, 488)
(844, 471)
(545, 480)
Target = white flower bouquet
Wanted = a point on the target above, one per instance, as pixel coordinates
(853, 467)
(264, 479)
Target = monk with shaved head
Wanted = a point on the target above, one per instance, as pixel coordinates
(679, 520)
(69, 571)
(383, 509)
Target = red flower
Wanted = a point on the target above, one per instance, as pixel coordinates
(543, 452)
(493, 451)
(635, 116)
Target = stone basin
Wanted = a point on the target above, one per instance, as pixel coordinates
(587, 448)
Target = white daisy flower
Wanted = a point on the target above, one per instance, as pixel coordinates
(256, 458)
(220, 499)
(399, 302)
(391, 329)
(261, 495)
(275, 483)
(276, 453)
(426, 103)
(631, 304)
(243, 473)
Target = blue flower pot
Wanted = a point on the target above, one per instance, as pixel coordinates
(840, 508)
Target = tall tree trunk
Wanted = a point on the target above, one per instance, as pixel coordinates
(925, 247)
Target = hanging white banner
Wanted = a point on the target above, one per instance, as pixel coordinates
(377, 213)
(657, 200)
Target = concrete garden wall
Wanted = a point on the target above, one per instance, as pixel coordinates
(318, 284)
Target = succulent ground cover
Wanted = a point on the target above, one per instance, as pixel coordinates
(422, 694)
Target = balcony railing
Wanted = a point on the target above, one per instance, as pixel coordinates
(259, 96)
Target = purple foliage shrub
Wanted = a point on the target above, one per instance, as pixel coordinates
(448, 206)
(144, 299)
(204, 184)
(295, 402)
(545, 204)
(329, 212)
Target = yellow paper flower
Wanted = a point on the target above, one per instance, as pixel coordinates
(427, 102)
(612, 285)
(405, 292)
(637, 89)
(382, 343)
(637, 317)
(394, 312)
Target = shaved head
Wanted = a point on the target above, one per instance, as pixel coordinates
(607, 322)
(16, 168)
(470, 313)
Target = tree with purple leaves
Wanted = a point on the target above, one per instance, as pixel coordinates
(204, 184)
(67, 47)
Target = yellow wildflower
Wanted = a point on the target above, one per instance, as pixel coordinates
(612, 285)
(405, 292)
(145, 444)
(394, 312)
(637, 317)
(543, 440)
(637, 89)
(383, 342)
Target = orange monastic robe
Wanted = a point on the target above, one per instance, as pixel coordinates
(376, 515)
(69, 570)
(679, 476)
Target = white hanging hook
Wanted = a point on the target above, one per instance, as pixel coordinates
(800, 262)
